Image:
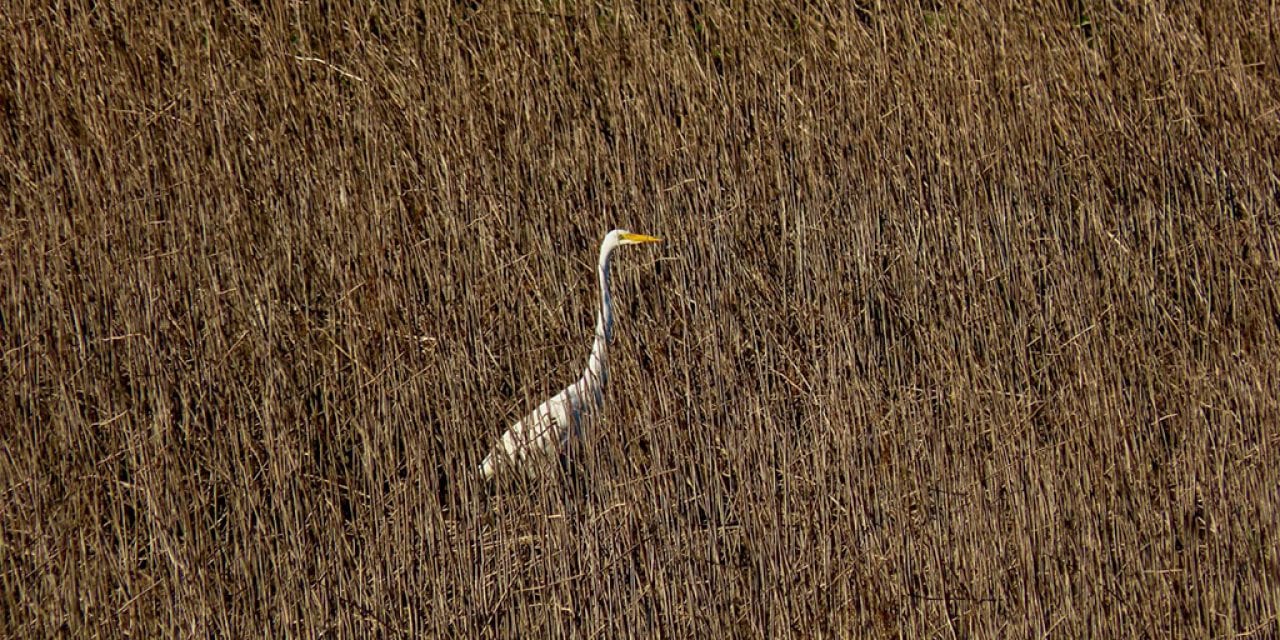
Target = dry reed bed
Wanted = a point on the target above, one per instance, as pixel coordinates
(966, 323)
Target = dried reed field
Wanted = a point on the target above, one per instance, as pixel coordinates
(966, 322)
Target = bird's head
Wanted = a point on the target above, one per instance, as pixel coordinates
(619, 237)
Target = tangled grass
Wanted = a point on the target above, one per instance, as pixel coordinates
(966, 323)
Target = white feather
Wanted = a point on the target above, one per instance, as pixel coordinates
(536, 439)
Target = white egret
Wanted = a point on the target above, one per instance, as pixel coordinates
(549, 427)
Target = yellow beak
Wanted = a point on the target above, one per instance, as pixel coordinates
(639, 238)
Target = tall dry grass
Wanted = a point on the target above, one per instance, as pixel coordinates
(966, 323)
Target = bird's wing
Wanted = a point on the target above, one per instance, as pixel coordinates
(538, 433)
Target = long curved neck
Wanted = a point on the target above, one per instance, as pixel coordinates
(597, 372)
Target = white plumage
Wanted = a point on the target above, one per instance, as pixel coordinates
(540, 435)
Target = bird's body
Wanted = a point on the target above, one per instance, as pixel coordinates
(541, 433)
